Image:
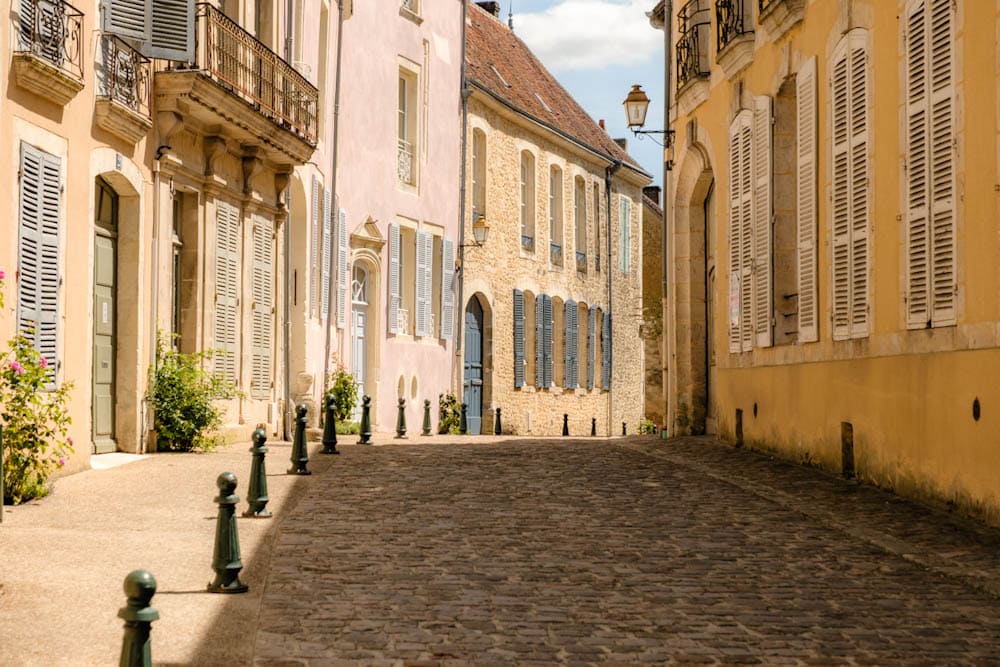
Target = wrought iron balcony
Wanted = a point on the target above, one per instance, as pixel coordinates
(555, 254)
(123, 75)
(692, 43)
(528, 242)
(732, 19)
(581, 261)
(405, 165)
(48, 54)
(236, 60)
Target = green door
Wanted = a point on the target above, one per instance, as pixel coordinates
(105, 306)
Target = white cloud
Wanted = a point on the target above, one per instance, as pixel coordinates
(590, 34)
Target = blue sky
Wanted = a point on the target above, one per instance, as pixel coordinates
(598, 49)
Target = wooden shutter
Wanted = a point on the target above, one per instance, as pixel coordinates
(805, 139)
(540, 341)
(547, 340)
(227, 263)
(324, 288)
(734, 236)
(943, 158)
(394, 278)
(746, 231)
(840, 193)
(447, 288)
(425, 263)
(128, 18)
(761, 263)
(314, 256)
(172, 30)
(859, 186)
(570, 343)
(518, 338)
(606, 352)
(40, 215)
(918, 260)
(342, 268)
(261, 322)
(591, 347)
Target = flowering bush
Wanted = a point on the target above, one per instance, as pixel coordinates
(36, 421)
(344, 389)
(449, 413)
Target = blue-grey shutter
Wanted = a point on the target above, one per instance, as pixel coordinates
(447, 288)
(342, 272)
(547, 340)
(518, 338)
(127, 18)
(261, 322)
(40, 212)
(606, 353)
(570, 343)
(539, 341)
(393, 278)
(171, 30)
(591, 345)
(324, 269)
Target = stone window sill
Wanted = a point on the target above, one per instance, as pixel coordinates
(737, 54)
(780, 15)
(411, 15)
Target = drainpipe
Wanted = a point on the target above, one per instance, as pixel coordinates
(460, 303)
(332, 280)
(665, 264)
(609, 174)
(154, 281)
(286, 413)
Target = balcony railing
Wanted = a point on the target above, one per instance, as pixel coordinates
(763, 5)
(692, 43)
(555, 254)
(53, 31)
(405, 166)
(241, 63)
(528, 242)
(123, 75)
(732, 20)
(581, 261)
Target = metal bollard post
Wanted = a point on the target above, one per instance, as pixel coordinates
(593, 426)
(401, 420)
(497, 429)
(463, 424)
(138, 616)
(257, 493)
(366, 421)
(300, 453)
(226, 554)
(427, 418)
(329, 428)
(565, 424)
(623, 428)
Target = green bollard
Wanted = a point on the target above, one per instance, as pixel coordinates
(497, 430)
(139, 616)
(565, 424)
(593, 426)
(401, 420)
(463, 424)
(366, 421)
(257, 493)
(300, 454)
(623, 428)
(226, 555)
(427, 418)
(329, 428)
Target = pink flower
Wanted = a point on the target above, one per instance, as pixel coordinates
(69, 439)
(62, 461)
(2, 274)
(43, 362)
(17, 367)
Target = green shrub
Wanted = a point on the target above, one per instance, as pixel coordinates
(344, 389)
(449, 413)
(647, 427)
(348, 428)
(36, 421)
(182, 398)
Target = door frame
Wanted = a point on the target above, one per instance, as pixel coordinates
(101, 231)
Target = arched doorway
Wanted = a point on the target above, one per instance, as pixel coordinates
(105, 318)
(360, 290)
(472, 394)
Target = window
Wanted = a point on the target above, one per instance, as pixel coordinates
(175, 270)
(411, 6)
(930, 164)
(624, 234)
(527, 201)
(227, 275)
(555, 216)
(38, 256)
(407, 128)
(597, 227)
(163, 28)
(849, 186)
(580, 220)
(478, 174)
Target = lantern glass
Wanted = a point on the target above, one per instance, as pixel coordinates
(480, 230)
(636, 105)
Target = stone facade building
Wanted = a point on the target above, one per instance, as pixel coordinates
(652, 305)
(551, 302)
(833, 292)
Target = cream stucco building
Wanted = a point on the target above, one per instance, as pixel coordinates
(833, 199)
(551, 301)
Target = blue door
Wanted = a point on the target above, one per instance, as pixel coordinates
(473, 394)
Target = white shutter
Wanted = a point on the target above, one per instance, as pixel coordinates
(840, 192)
(859, 186)
(447, 288)
(762, 310)
(324, 289)
(746, 231)
(261, 322)
(393, 278)
(227, 263)
(942, 141)
(734, 235)
(342, 269)
(128, 18)
(428, 283)
(805, 96)
(172, 30)
(423, 291)
(316, 251)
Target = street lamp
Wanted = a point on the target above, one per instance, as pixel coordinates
(636, 105)
(479, 232)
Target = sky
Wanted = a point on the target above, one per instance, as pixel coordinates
(598, 49)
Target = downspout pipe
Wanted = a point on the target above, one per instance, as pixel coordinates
(332, 278)
(286, 413)
(609, 175)
(460, 302)
(667, 263)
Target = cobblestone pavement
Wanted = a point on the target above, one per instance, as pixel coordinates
(555, 551)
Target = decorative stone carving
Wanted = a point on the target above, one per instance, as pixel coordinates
(252, 167)
(215, 147)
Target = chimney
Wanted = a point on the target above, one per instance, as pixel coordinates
(622, 143)
(653, 192)
(601, 123)
(491, 7)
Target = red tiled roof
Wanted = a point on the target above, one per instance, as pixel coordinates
(499, 62)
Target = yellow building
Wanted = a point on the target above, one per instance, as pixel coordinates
(833, 199)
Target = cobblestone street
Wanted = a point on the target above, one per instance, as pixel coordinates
(636, 551)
